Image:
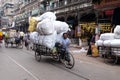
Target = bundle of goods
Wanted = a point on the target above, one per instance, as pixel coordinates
(117, 32)
(32, 23)
(34, 37)
(104, 39)
(110, 39)
(49, 30)
(45, 27)
(48, 15)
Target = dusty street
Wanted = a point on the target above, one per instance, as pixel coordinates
(20, 64)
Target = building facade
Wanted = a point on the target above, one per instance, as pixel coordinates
(79, 14)
(25, 9)
(8, 11)
(69, 11)
(106, 13)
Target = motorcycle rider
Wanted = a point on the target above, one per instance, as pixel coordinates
(65, 42)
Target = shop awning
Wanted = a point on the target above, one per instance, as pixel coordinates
(35, 12)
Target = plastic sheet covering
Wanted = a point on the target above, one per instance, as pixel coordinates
(48, 15)
(45, 27)
(115, 43)
(99, 43)
(117, 30)
(50, 40)
(32, 24)
(61, 26)
(107, 43)
(107, 36)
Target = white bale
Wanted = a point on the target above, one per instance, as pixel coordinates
(41, 37)
(50, 40)
(61, 26)
(115, 43)
(117, 30)
(99, 43)
(31, 37)
(117, 36)
(48, 15)
(59, 37)
(34, 37)
(107, 36)
(45, 27)
(107, 43)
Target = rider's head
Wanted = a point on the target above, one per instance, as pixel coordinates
(65, 35)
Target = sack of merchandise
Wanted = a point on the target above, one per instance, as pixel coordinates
(41, 37)
(61, 26)
(34, 37)
(115, 43)
(59, 37)
(107, 36)
(116, 36)
(48, 15)
(95, 52)
(99, 42)
(117, 30)
(50, 40)
(45, 27)
(32, 24)
(107, 43)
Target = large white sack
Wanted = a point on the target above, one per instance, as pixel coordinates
(107, 36)
(59, 37)
(117, 29)
(48, 15)
(107, 43)
(117, 36)
(45, 27)
(34, 37)
(31, 37)
(50, 40)
(115, 43)
(61, 26)
(99, 42)
(41, 37)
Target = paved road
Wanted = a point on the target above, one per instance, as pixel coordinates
(20, 64)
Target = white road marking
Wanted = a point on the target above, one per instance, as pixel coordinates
(23, 68)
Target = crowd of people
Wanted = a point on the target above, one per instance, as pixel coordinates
(15, 37)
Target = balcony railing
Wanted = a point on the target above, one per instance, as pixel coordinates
(64, 3)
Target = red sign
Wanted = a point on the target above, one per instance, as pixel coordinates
(109, 12)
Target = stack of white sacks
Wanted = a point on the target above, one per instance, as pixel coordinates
(48, 31)
(110, 39)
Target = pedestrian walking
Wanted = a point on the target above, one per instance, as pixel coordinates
(27, 40)
(92, 42)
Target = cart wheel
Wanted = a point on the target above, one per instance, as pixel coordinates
(70, 64)
(37, 56)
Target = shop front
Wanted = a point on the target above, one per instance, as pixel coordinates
(108, 14)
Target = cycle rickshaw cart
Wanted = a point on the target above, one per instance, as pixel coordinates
(58, 54)
(11, 40)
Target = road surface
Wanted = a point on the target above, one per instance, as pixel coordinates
(20, 64)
